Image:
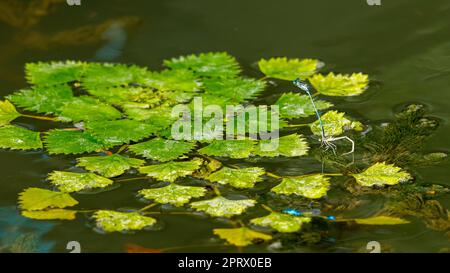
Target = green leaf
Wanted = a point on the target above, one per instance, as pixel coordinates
(211, 165)
(335, 124)
(289, 69)
(293, 105)
(340, 85)
(159, 117)
(161, 149)
(111, 221)
(290, 146)
(41, 99)
(171, 98)
(238, 178)
(173, 194)
(213, 64)
(86, 108)
(18, 138)
(51, 214)
(109, 166)
(311, 186)
(71, 142)
(123, 95)
(229, 148)
(38, 199)
(381, 220)
(257, 122)
(240, 236)
(223, 207)
(176, 80)
(116, 132)
(208, 99)
(172, 170)
(381, 174)
(281, 222)
(99, 75)
(72, 182)
(54, 72)
(238, 89)
(8, 112)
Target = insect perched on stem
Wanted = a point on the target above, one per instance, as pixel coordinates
(325, 141)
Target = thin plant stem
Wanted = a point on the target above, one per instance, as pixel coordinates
(121, 149)
(267, 208)
(40, 117)
(169, 213)
(71, 129)
(333, 174)
(273, 175)
(298, 125)
(131, 179)
(148, 206)
(216, 191)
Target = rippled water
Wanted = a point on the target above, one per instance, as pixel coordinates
(403, 45)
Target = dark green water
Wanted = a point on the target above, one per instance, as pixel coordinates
(403, 45)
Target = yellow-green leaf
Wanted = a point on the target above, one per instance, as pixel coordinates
(162, 149)
(290, 146)
(289, 69)
(335, 124)
(238, 178)
(51, 214)
(311, 186)
(172, 170)
(8, 112)
(111, 221)
(72, 182)
(240, 236)
(38, 199)
(340, 85)
(223, 207)
(173, 194)
(381, 174)
(109, 166)
(281, 222)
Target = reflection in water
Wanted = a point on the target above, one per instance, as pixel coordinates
(26, 16)
(116, 37)
(21, 15)
(22, 235)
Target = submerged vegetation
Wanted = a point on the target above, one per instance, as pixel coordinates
(115, 121)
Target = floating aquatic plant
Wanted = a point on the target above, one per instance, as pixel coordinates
(116, 120)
